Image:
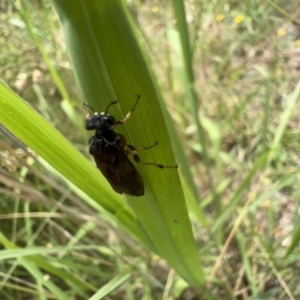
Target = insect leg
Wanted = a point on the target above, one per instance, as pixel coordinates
(130, 149)
(133, 148)
(130, 112)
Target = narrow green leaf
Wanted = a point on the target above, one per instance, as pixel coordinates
(187, 179)
(246, 261)
(239, 192)
(109, 64)
(191, 93)
(295, 242)
(45, 140)
(285, 116)
(112, 285)
(29, 258)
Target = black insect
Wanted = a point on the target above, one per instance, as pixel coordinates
(110, 151)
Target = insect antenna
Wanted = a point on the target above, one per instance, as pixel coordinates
(109, 105)
(85, 111)
(87, 105)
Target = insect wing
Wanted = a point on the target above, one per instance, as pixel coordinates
(126, 177)
(120, 173)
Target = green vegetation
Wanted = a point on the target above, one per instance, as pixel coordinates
(219, 82)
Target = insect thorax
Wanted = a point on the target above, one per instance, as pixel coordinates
(110, 137)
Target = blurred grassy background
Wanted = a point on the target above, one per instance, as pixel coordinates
(244, 157)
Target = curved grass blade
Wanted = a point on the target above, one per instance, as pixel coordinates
(109, 64)
(34, 131)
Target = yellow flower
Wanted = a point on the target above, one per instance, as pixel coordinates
(281, 32)
(297, 43)
(155, 9)
(219, 17)
(239, 19)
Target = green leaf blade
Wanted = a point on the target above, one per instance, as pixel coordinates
(109, 65)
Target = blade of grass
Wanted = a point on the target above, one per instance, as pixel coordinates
(20, 119)
(107, 61)
(246, 262)
(239, 192)
(187, 177)
(294, 244)
(283, 12)
(192, 96)
(29, 259)
(284, 118)
(173, 38)
(113, 284)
